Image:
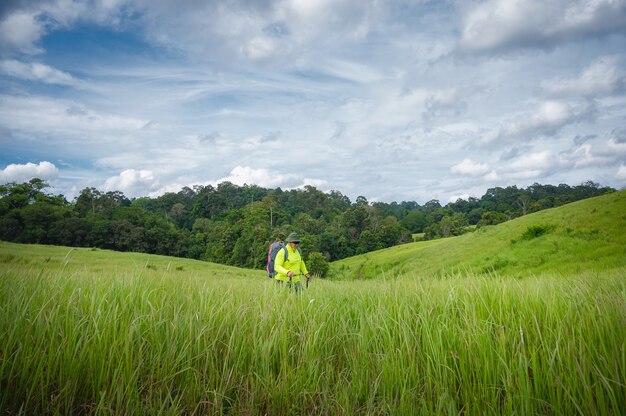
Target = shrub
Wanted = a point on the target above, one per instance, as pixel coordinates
(535, 231)
(317, 264)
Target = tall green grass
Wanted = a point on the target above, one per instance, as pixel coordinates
(85, 332)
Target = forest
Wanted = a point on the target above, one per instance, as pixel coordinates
(234, 225)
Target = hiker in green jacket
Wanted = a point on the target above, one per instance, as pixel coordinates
(289, 270)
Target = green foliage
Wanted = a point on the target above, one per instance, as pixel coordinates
(449, 225)
(415, 221)
(71, 231)
(492, 218)
(368, 241)
(535, 231)
(11, 228)
(317, 264)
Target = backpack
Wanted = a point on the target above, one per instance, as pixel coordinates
(271, 256)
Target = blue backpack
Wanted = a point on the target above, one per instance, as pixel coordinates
(271, 257)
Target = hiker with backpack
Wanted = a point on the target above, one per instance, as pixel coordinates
(285, 262)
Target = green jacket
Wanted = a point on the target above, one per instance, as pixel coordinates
(294, 264)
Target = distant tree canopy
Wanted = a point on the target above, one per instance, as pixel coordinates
(234, 225)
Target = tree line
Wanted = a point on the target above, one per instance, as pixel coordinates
(234, 225)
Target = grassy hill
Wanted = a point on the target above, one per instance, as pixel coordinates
(581, 236)
(94, 260)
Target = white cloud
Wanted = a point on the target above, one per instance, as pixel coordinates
(596, 154)
(445, 102)
(350, 71)
(307, 9)
(602, 77)
(24, 25)
(470, 168)
(534, 161)
(551, 114)
(313, 19)
(260, 48)
(499, 25)
(619, 135)
(546, 121)
(621, 173)
(69, 119)
(23, 173)
(529, 166)
(492, 176)
(320, 184)
(37, 72)
(465, 196)
(584, 156)
(132, 182)
(274, 32)
(20, 31)
(612, 148)
(242, 175)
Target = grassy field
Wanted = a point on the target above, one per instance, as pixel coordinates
(585, 235)
(87, 331)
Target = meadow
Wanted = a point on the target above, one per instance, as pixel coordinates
(581, 236)
(86, 331)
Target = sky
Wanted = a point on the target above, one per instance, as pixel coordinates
(395, 100)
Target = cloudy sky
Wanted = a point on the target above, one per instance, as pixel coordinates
(392, 100)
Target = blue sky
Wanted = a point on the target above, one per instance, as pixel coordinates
(392, 100)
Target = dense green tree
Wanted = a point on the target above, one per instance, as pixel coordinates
(250, 247)
(356, 220)
(100, 229)
(307, 223)
(338, 201)
(313, 201)
(524, 202)
(492, 218)
(11, 227)
(317, 264)
(205, 205)
(415, 221)
(92, 201)
(124, 236)
(464, 206)
(450, 225)
(390, 232)
(146, 203)
(38, 218)
(19, 195)
(368, 241)
(179, 215)
(335, 243)
(431, 206)
(72, 231)
(438, 214)
(219, 242)
(475, 215)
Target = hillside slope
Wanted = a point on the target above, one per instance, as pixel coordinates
(97, 261)
(585, 235)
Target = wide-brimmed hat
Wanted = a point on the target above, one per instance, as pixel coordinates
(293, 238)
